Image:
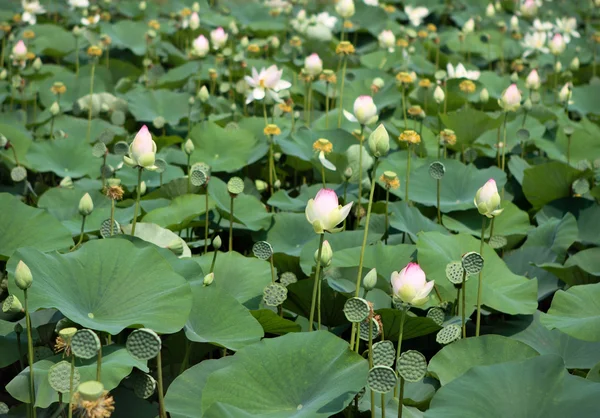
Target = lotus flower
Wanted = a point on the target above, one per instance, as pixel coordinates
(535, 41)
(365, 111)
(511, 99)
(410, 285)
(142, 151)
(313, 65)
(533, 81)
(557, 44)
(19, 51)
(30, 10)
(416, 14)
(487, 199)
(200, 46)
(345, 8)
(266, 81)
(387, 40)
(324, 212)
(218, 38)
(461, 72)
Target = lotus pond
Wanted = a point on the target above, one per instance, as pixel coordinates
(298, 208)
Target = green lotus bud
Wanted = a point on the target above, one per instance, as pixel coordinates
(12, 304)
(277, 184)
(203, 94)
(142, 6)
(77, 31)
(176, 246)
(3, 74)
(558, 67)
(487, 199)
(86, 205)
(191, 100)
(574, 66)
(438, 95)
(370, 280)
(143, 188)
(378, 82)
(18, 328)
(514, 77)
(326, 254)
(159, 122)
(217, 242)
(261, 186)
(348, 173)
(379, 141)
(54, 109)
(188, 147)
(37, 64)
(66, 183)
(527, 104)
(484, 96)
(208, 279)
(23, 277)
(196, 7)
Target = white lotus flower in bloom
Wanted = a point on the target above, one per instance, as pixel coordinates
(567, 26)
(326, 20)
(267, 81)
(90, 20)
(535, 42)
(387, 40)
(371, 2)
(79, 4)
(540, 26)
(365, 111)
(200, 46)
(461, 72)
(325, 162)
(324, 212)
(416, 14)
(30, 11)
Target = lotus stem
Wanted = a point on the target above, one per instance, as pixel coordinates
(371, 364)
(161, 401)
(504, 148)
(137, 200)
(186, 357)
(21, 366)
(478, 323)
(387, 217)
(464, 304)
(439, 213)
(323, 175)
(214, 261)
(401, 397)
(112, 216)
(231, 223)
(71, 388)
(407, 174)
(29, 354)
(189, 177)
(52, 127)
(89, 127)
(404, 106)
(316, 284)
(326, 105)
(345, 61)
(4, 49)
(271, 165)
(491, 230)
(206, 220)
(402, 318)
(360, 175)
(77, 56)
(99, 365)
(81, 233)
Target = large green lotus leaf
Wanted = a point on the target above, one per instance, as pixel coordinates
(490, 138)
(299, 299)
(468, 124)
(25, 226)
(409, 219)
(226, 150)
(585, 99)
(244, 278)
(581, 268)
(512, 221)
(414, 326)
(77, 87)
(589, 227)
(180, 212)
(108, 285)
(76, 128)
(577, 354)
(273, 323)
(527, 261)
(9, 352)
(146, 105)
(52, 40)
(536, 387)
(455, 359)
(63, 204)
(576, 312)
(127, 34)
(458, 187)
(117, 363)
(70, 156)
(555, 234)
(218, 318)
(293, 380)
(128, 176)
(179, 75)
(547, 182)
(184, 397)
(247, 209)
(583, 145)
(21, 141)
(161, 237)
(289, 233)
(502, 290)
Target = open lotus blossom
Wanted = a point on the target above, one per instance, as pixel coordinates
(416, 14)
(324, 212)
(535, 42)
(79, 4)
(487, 199)
(365, 111)
(326, 20)
(142, 151)
(469, 26)
(30, 11)
(90, 20)
(411, 286)
(567, 27)
(461, 72)
(387, 40)
(200, 46)
(267, 81)
(218, 37)
(542, 26)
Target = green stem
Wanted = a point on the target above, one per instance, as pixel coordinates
(89, 127)
(323, 175)
(491, 230)
(309, 104)
(29, 355)
(360, 175)
(161, 402)
(21, 366)
(112, 216)
(402, 318)
(504, 146)
(326, 105)
(186, 357)
(407, 175)
(345, 61)
(189, 178)
(71, 388)
(137, 200)
(273, 278)
(464, 304)
(231, 224)
(404, 106)
(81, 233)
(271, 165)
(439, 213)
(387, 216)
(316, 284)
(206, 221)
(214, 261)
(401, 397)
(52, 127)
(480, 282)
(77, 56)
(99, 365)
(371, 364)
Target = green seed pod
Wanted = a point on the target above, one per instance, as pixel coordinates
(90, 390)
(23, 277)
(12, 304)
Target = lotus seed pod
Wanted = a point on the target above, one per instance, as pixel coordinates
(12, 304)
(188, 147)
(288, 278)
(18, 173)
(217, 242)
(412, 366)
(23, 277)
(370, 280)
(235, 186)
(143, 344)
(384, 353)
(208, 279)
(326, 254)
(381, 379)
(159, 122)
(59, 377)
(86, 205)
(262, 250)
(67, 333)
(90, 390)
(348, 173)
(176, 246)
(144, 385)
(55, 109)
(261, 185)
(85, 344)
(143, 188)
(203, 94)
(274, 294)
(357, 309)
(448, 334)
(379, 141)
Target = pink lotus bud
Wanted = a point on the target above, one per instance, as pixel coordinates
(313, 65)
(410, 285)
(194, 21)
(511, 99)
(533, 81)
(218, 37)
(345, 8)
(324, 212)
(20, 51)
(529, 8)
(487, 199)
(142, 151)
(200, 46)
(557, 44)
(387, 40)
(365, 110)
